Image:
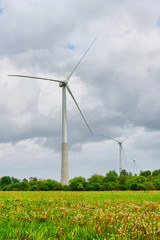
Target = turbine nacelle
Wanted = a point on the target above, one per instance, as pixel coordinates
(64, 83)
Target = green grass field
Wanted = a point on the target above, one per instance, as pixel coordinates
(79, 215)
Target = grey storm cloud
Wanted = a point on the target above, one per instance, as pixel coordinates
(116, 85)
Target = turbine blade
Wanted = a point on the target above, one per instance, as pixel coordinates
(80, 60)
(136, 166)
(123, 154)
(130, 157)
(48, 79)
(69, 90)
(109, 138)
(127, 137)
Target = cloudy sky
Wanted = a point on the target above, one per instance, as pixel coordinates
(117, 85)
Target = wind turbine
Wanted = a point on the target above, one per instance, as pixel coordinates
(121, 150)
(134, 164)
(64, 85)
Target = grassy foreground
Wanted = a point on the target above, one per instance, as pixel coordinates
(79, 215)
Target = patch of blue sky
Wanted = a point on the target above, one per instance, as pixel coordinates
(158, 22)
(70, 46)
(1, 10)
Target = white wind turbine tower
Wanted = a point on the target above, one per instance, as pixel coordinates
(121, 150)
(134, 164)
(64, 85)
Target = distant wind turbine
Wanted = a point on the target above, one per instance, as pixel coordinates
(64, 85)
(134, 164)
(121, 150)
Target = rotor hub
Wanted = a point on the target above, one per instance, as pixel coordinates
(64, 83)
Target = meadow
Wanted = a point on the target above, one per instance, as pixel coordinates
(80, 215)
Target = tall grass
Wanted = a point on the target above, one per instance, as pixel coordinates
(79, 215)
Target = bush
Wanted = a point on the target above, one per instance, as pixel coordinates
(109, 186)
(156, 183)
(33, 188)
(111, 176)
(43, 187)
(24, 186)
(134, 186)
(77, 183)
(6, 180)
(141, 187)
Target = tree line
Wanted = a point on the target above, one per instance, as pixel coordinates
(146, 180)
